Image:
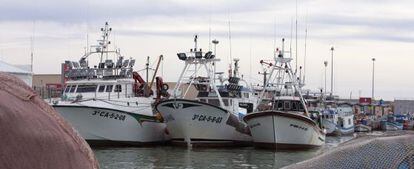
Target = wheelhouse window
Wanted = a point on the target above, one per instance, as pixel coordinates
(86, 88)
(101, 88)
(286, 105)
(226, 102)
(68, 88)
(214, 102)
(295, 106)
(72, 89)
(279, 105)
(118, 88)
(109, 88)
(203, 100)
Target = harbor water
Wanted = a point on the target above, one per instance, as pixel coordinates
(183, 157)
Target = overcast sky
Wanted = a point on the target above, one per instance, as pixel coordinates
(358, 29)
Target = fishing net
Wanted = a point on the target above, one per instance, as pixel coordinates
(33, 135)
(390, 150)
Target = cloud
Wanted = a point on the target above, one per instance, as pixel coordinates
(363, 27)
(90, 10)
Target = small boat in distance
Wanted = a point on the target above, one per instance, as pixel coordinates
(214, 119)
(110, 104)
(392, 122)
(283, 122)
(362, 128)
(336, 118)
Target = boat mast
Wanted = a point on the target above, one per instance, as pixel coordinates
(296, 37)
(231, 57)
(146, 92)
(105, 41)
(304, 57)
(156, 70)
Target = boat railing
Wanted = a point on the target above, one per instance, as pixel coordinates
(104, 73)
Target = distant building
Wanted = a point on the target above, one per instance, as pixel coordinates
(404, 106)
(366, 106)
(43, 80)
(22, 74)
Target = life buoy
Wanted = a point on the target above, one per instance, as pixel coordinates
(165, 86)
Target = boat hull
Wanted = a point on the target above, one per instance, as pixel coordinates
(201, 124)
(111, 127)
(391, 126)
(362, 128)
(279, 130)
(339, 131)
(329, 126)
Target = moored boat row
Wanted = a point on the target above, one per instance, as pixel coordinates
(111, 104)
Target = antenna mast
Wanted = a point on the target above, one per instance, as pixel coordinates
(105, 40)
(231, 58)
(291, 37)
(304, 57)
(209, 28)
(32, 47)
(274, 38)
(296, 37)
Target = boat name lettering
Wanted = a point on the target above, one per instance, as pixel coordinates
(105, 114)
(299, 127)
(212, 119)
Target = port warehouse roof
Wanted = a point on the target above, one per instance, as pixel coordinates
(24, 75)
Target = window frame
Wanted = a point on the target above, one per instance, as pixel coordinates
(109, 87)
(73, 89)
(118, 88)
(86, 88)
(103, 90)
(289, 107)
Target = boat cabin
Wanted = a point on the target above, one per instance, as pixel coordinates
(104, 89)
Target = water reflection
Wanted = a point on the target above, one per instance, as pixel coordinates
(180, 157)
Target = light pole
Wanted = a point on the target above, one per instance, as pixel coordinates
(373, 80)
(326, 65)
(215, 42)
(332, 69)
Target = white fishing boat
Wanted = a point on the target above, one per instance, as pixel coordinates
(345, 124)
(110, 104)
(338, 120)
(214, 118)
(283, 122)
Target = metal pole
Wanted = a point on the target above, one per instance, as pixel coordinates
(146, 92)
(373, 73)
(332, 69)
(326, 65)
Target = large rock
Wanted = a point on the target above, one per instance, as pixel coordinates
(33, 135)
